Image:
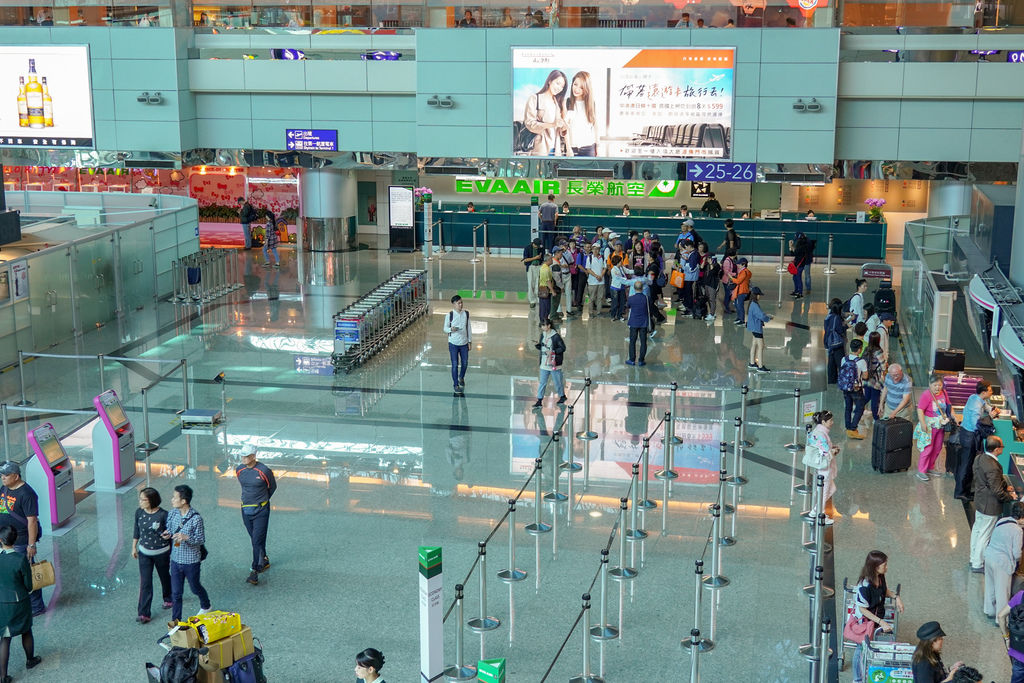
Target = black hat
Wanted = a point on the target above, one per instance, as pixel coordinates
(886, 316)
(755, 290)
(930, 630)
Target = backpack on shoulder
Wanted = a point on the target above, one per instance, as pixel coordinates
(1015, 625)
(848, 379)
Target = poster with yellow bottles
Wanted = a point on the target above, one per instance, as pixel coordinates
(45, 96)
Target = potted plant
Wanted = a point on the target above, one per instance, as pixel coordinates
(423, 195)
(875, 209)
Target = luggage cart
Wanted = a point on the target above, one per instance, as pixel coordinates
(892, 615)
(889, 662)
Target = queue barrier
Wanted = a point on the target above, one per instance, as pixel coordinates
(205, 275)
(367, 325)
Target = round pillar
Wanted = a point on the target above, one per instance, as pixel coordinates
(328, 209)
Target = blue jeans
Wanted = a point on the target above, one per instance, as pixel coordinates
(256, 524)
(1017, 671)
(179, 574)
(266, 256)
(458, 354)
(854, 408)
(873, 396)
(618, 303)
(35, 597)
(247, 234)
(727, 299)
(798, 283)
(807, 277)
(559, 382)
(740, 311)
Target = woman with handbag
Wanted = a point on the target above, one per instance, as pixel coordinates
(872, 592)
(933, 413)
(15, 607)
(927, 662)
(552, 349)
(820, 455)
(800, 250)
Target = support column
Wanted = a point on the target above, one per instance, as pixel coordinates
(1017, 245)
(328, 209)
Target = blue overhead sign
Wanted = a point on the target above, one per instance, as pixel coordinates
(311, 140)
(721, 172)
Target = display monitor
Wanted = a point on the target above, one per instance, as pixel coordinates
(49, 444)
(623, 103)
(112, 405)
(47, 98)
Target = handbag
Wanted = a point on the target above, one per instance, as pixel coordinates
(676, 279)
(815, 458)
(857, 629)
(42, 575)
(792, 268)
(544, 292)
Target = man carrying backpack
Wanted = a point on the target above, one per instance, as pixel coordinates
(456, 326)
(852, 374)
(246, 215)
(258, 485)
(853, 309)
(1011, 622)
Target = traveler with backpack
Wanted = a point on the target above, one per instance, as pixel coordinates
(620, 287)
(927, 661)
(533, 257)
(552, 349)
(271, 238)
(258, 486)
(732, 239)
(756, 318)
(933, 413)
(15, 606)
(595, 280)
(820, 455)
(1010, 620)
(976, 408)
(456, 326)
(369, 662)
(1001, 557)
(835, 340)
(710, 278)
(577, 257)
(991, 492)
(853, 309)
(689, 260)
(886, 321)
(741, 290)
(246, 215)
(152, 551)
(186, 531)
(799, 248)
(852, 374)
(875, 359)
(729, 269)
(869, 613)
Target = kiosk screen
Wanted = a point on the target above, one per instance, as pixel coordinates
(114, 410)
(50, 446)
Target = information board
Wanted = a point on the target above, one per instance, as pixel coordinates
(401, 206)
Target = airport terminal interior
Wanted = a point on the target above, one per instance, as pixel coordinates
(231, 226)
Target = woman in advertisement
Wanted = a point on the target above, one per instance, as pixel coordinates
(545, 116)
(580, 118)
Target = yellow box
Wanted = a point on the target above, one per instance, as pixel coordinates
(213, 626)
(242, 643)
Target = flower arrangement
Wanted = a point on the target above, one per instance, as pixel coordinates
(875, 208)
(422, 195)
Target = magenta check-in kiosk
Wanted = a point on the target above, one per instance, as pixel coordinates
(50, 475)
(113, 444)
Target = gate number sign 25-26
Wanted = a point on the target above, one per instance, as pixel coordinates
(721, 171)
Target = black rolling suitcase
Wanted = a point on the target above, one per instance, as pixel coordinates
(891, 448)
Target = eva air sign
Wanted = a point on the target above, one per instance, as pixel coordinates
(591, 188)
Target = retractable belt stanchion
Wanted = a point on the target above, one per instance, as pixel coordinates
(537, 527)
(672, 409)
(587, 434)
(820, 548)
(459, 671)
(829, 270)
(147, 445)
(604, 630)
(635, 533)
(571, 466)
(694, 656)
(700, 644)
(668, 470)
(737, 479)
(586, 676)
(744, 390)
(825, 651)
(623, 571)
(818, 501)
(103, 379)
(511, 574)
(645, 459)
(184, 386)
(781, 268)
(475, 259)
(723, 475)
(7, 436)
(810, 650)
(554, 495)
(483, 622)
(716, 580)
(21, 380)
(796, 446)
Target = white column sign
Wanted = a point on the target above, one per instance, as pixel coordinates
(431, 614)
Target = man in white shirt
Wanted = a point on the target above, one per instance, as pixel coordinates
(856, 314)
(886, 320)
(595, 280)
(456, 326)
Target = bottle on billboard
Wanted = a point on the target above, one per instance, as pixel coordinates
(34, 97)
(22, 103)
(47, 105)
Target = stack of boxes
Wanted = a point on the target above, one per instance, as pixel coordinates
(229, 641)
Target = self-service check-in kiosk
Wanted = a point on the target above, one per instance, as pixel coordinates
(51, 476)
(113, 444)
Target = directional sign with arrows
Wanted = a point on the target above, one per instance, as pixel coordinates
(721, 172)
(300, 140)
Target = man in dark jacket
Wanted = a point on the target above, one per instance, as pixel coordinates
(639, 323)
(246, 215)
(990, 492)
(258, 485)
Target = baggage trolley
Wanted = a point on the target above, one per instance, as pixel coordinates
(888, 662)
(892, 615)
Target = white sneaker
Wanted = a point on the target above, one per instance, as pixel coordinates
(206, 611)
(709, 317)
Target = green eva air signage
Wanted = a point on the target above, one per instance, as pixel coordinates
(593, 188)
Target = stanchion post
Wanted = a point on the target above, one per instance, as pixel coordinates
(511, 574)
(623, 571)
(824, 650)
(554, 495)
(781, 268)
(694, 655)
(818, 548)
(676, 441)
(475, 259)
(587, 434)
(723, 476)
(744, 390)
(537, 527)
(184, 386)
(460, 671)
(645, 460)
(796, 446)
(483, 622)
(829, 270)
(818, 501)
(7, 436)
(103, 380)
(701, 644)
(810, 650)
(635, 533)
(21, 380)
(604, 630)
(571, 466)
(147, 445)
(668, 470)
(586, 676)
(737, 479)
(716, 580)
(487, 243)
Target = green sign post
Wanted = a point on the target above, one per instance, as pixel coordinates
(431, 614)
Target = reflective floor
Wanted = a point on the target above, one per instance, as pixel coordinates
(377, 462)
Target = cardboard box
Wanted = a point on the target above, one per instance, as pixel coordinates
(204, 676)
(220, 655)
(185, 637)
(242, 643)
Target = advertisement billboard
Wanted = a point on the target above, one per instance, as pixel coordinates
(623, 103)
(45, 96)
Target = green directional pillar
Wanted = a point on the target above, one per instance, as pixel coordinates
(431, 614)
(491, 670)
